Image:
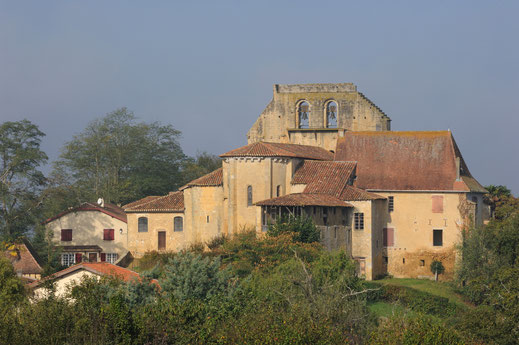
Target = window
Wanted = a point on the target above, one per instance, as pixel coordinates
(68, 259)
(388, 237)
(178, 224)
(386, 260)
(437, 203)
(437, 238)
(331, 115)
(403, 261)
(278, 190)
(303, 113)
(359, 221)
(422, 263)
(207, 219)
(66, 234)
(249, 195)
(390, 203)
(143, 224)
(108, 234)
(110, 257)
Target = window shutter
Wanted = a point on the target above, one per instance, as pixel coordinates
(66, 234)
(79, 258)
(390, 237)
(108, 234)
(437, 204)
(103, 257)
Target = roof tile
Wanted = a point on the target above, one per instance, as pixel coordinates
(173, 202)
(266, 149)
(302, 199)
(324, 177)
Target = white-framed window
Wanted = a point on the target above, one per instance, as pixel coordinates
(68, 259)
(111, 257)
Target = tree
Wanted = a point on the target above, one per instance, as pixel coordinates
(20, 180)
(437, 268)
(202, 164)
(121, 160)
(11, 287)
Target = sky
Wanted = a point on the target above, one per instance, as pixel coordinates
(207, 67)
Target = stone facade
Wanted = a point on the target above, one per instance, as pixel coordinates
(279, 122)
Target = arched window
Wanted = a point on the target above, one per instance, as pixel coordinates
(178, 224)
(303, 112)
(143, 224)
(249, 195)
(278, 190)
(331, 114)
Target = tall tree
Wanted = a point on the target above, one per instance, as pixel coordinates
(121, 160)
(20, 180)
(202, 164)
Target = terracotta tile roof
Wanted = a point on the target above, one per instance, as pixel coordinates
(23, 258)
(99, 268)
(405, 161)
(173, 202)
(266, 149)
(351, 193)
(214, 178)
(324, 177)
(140, 201)
(302, 199)
(109, 209)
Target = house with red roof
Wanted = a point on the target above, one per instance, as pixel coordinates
(73, 275)
(24, 259)
(91, 232)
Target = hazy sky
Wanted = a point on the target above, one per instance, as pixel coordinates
(207, 68)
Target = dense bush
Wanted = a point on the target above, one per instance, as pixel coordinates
(302, 228)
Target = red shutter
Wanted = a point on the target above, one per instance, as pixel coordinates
(66, 234)
(108, 234)
(103, 257)
(437, 203)
(79, 258)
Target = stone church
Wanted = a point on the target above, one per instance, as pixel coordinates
(395, 201)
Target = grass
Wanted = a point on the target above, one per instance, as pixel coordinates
(385, 309)
(429, 286)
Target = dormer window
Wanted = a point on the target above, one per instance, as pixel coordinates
(331, 114)
(303, 112)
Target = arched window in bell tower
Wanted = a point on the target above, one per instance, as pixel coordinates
(303, 113)
(331, 114)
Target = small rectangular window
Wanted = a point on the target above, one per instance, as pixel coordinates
(111, 257)
(359, 221)
(422, 263)
(249, 195)
(108, 234)
(66, 234)
(68, 259)
(437, 238)
(390, 203)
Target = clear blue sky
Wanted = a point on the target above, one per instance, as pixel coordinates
(208, 67)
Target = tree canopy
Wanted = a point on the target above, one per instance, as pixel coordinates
(120, 159)
(20, 180)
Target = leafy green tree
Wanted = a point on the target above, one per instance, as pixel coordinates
(20, 180)
(437, 268)
(200, 165)
(121, 160)
(502, 203)
(11, 287)
(303, 228)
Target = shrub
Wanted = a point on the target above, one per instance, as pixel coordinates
(302, 228)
